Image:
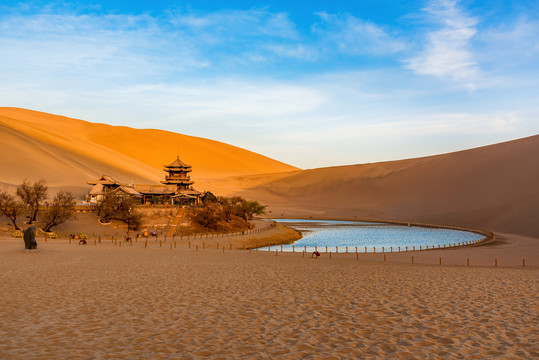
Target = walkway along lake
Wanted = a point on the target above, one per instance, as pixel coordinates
(343, 236)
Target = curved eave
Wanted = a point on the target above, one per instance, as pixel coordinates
(189, 182)
(177, 169)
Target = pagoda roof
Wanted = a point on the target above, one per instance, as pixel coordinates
(168, 181)
(155, 189)
(191, 191)
(105, 180)
(177, 164)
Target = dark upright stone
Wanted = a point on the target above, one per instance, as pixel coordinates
(30, 238)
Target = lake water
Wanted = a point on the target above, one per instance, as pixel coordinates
(337, 235)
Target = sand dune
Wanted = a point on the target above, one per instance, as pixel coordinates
(69, 152)
(496, 187)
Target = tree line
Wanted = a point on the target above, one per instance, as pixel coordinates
(215, 212)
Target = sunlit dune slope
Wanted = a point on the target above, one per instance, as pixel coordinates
(69, 152)
(495, 186)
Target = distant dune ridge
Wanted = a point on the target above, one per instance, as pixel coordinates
(69, 152)
(496, 186)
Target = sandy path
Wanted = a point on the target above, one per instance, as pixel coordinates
(97, 302)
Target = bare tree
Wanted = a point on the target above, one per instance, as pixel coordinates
(10, 207)
(32, 195)
(61, 210)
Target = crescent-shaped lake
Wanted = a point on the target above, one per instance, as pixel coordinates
(368, 236)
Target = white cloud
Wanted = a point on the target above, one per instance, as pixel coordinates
(236, 24)
(448, 53)
(408, 125)
(510, 44)
(297, 51)
(354, 36)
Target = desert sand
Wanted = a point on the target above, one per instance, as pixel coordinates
(105, 301)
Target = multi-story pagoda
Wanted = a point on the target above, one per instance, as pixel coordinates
(176, 188)
(178, 175)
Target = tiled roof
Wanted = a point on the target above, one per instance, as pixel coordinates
(156, 189)
(178, 164)
(97, 189)
(105, 180)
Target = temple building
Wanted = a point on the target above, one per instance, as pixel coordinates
(175, 189)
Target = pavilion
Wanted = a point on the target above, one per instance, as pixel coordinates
(175, 189)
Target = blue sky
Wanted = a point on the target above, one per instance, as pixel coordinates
(310, 83)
